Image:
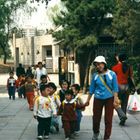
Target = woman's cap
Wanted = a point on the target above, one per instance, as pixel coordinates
(99, 59)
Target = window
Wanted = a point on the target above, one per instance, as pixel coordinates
(49, 53)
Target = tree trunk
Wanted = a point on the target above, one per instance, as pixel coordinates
(87, 73)
(5, 58)
(4, 53)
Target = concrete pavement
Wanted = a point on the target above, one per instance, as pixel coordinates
(17, 123)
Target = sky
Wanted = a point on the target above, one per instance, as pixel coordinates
(38, 19)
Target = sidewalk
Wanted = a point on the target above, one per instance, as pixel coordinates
(17, 123)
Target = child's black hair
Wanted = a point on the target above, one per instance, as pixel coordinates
(76, 86)
(43, 87)
(11, 72)
(52, 85)
(69, 92)
(42, 77)
(30, 76)
(65, 81)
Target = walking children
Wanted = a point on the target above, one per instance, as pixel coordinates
(11, 85)
(43, 111)
(68, 112)
(57, 103)
(30, 87)
(64, 87)
(76, 89)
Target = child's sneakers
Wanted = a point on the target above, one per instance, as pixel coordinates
(40, 137)
(67, 138)
(46, 137)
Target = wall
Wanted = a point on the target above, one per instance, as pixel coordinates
(32, 50)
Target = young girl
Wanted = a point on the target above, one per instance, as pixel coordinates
(11, 85)
(30, 86)
(64, 87)
(76, 89)
(43, 111)
(68, 112)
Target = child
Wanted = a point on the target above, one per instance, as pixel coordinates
(64, 87)
(43, 80)
(43, 110)
(11, 85)
(68, 111)
(76, 89)
(57, 103)
(30, 87)
(20, 83)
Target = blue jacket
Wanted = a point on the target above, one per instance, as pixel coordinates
(99, 89)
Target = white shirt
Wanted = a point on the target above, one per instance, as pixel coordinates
(39, 73)
(55, 100)
(44, 107)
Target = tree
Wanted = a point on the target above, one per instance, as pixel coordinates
(126, 19)
(7, 10)
(82, 25)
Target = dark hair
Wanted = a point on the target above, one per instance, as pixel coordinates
(105, 68)
(43, 87)
(39, 63)
(122, 59)
(11, 72)
(30, 76)
(64, 81)
(69, 92)
(76, 86)
(20, 65)
(42, 77)
(52, 85)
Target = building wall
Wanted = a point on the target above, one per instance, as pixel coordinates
(33, 49)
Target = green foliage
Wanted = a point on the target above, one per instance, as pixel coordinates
(126, 19)
(7, 10)
(83, 22)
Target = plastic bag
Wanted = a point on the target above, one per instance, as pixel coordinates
(134, 102)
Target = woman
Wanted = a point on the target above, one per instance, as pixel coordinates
(123, 72)
(104, 87)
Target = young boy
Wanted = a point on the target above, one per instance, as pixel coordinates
(68, 111)
(57, 103)
(43, 110)
(64, 87)
(76, 89)
(11, 85)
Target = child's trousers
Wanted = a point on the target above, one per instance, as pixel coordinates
(11, 92)
(79, 117)
(30, 98)
(69, 128)
(44, 126)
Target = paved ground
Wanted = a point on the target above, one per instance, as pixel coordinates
(17, 123)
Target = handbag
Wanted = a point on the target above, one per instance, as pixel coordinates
(134, 102)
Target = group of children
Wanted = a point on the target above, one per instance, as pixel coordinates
(47, 104)
(50, 105)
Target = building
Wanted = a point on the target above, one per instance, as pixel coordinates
(30, 50)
